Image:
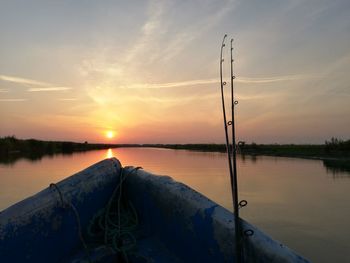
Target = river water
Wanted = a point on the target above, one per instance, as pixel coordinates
(298, 202)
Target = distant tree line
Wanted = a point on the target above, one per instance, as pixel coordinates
(12, 148)
(193, 147)
(11, 145)
(336, 144)
(333, 148)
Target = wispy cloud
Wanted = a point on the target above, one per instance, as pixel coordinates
(150, 28)
(12, 100)
(248, 80)
(4, 90)
(243, 80)
(43, 86)
(170, 100)
(67, 99)
(157, 30)
(171, 84)
(190, 33)
(49, 89)
(23, 81)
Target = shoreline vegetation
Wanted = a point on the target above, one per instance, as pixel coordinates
(334, 152)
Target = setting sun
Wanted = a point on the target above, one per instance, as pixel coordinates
(109, 134)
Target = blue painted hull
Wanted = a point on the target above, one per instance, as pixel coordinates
(176, 224)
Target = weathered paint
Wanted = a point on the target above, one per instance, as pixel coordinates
(193, 227)
(39, 229)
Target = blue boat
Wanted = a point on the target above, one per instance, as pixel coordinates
(107, 213)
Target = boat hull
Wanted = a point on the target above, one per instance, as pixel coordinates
(195, 228)
(43, 229)
(177, 224)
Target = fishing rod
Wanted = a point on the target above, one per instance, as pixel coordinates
(231, 152)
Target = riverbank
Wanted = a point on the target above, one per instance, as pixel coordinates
(335, 152)
(12, 149)
(335, 155)
(320, 152)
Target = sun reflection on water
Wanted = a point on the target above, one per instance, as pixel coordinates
(109, 153)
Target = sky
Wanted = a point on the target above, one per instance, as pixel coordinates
(148, 71)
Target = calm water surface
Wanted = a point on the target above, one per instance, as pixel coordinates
(298, 202)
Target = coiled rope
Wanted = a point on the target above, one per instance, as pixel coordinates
(112, 226)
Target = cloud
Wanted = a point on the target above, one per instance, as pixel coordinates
(43, 86)
(4, 90)
(12, 100)
(49, 89)
(171, 84)
(248, 80)
(158, 29)
(194, 31)
(149, 30)
(67, 99)
(23, 81)
(243, 80)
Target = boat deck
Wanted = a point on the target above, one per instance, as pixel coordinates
(149, 249)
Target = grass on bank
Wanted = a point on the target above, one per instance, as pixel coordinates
(334, 148)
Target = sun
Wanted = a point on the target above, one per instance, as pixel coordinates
(110, 134)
